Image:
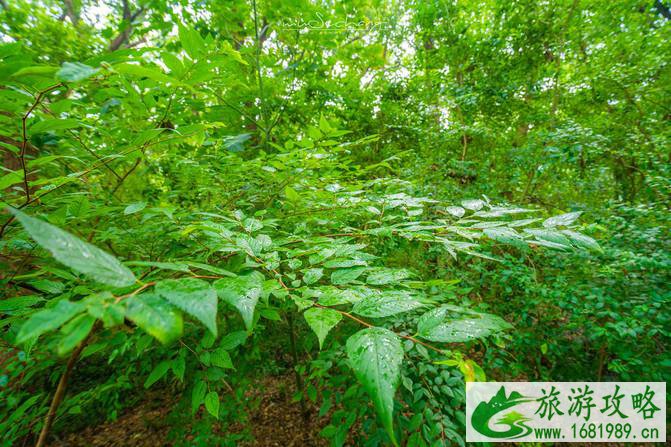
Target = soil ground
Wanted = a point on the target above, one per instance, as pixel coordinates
(276, 422)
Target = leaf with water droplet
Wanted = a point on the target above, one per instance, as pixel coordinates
(383, 276)
(321, 321)
(549, 238)
(505, 235)
(456, 211)
(473, 205)
(311, 276)
(562, 219)
(582, 241)
(75, 72)
(75, 253)
(155, 316)
(376, 354)
(241, 292)
(387, 303)
(346, 276)
(463, 327)
(194, 296)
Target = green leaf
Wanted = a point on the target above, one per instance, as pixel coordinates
(210, 268)
(35, 70)
(221, 359)
(178, 366)
(311, 276)
(53, 124)
(344, 263)
(375, 354)
(314, 133)
(10, 179)
(346, 276)
(433, 326)
(321, 321)
(241, 292)
(236, 143)
(155, 316)
(385, 276)
(385, 304)
(455, 211)
(473, 205)
(291, 194)
(157, 373)
(324, 125)
(75, 253)
(134, 208)
(194, 296)
(212, 403)
(75, 72)
(18, 302)
(233, 340)
(143, 71)
(192, 42)
(197, 395)
(549, 238)
(48, 319)
(505, 235)
(76, 331)
(178, 267)
(582, 241)
(173, 63)
(562, 219)
(47, 286)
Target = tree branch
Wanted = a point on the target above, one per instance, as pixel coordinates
(24, 143)
(60, 392)
(70, 12)
(129, 18)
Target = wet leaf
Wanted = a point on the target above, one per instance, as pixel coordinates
(75, 253)
(346, 276)
(311, 276)
(155, 316)
(48, 319)
(562, 219)
(436, 326)
(241, 292)
(194, 296)
(375, 355)
(75, 72)
(456, 211)
(473, 205)
(385, 276)
(385, 304)
(321, 321)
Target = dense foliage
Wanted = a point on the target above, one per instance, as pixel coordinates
(383, 199)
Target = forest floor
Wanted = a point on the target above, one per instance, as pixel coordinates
(277, 421)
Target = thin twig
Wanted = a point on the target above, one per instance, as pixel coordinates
(24, 134)
(60, 392)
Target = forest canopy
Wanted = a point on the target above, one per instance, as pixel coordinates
(261, 222)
